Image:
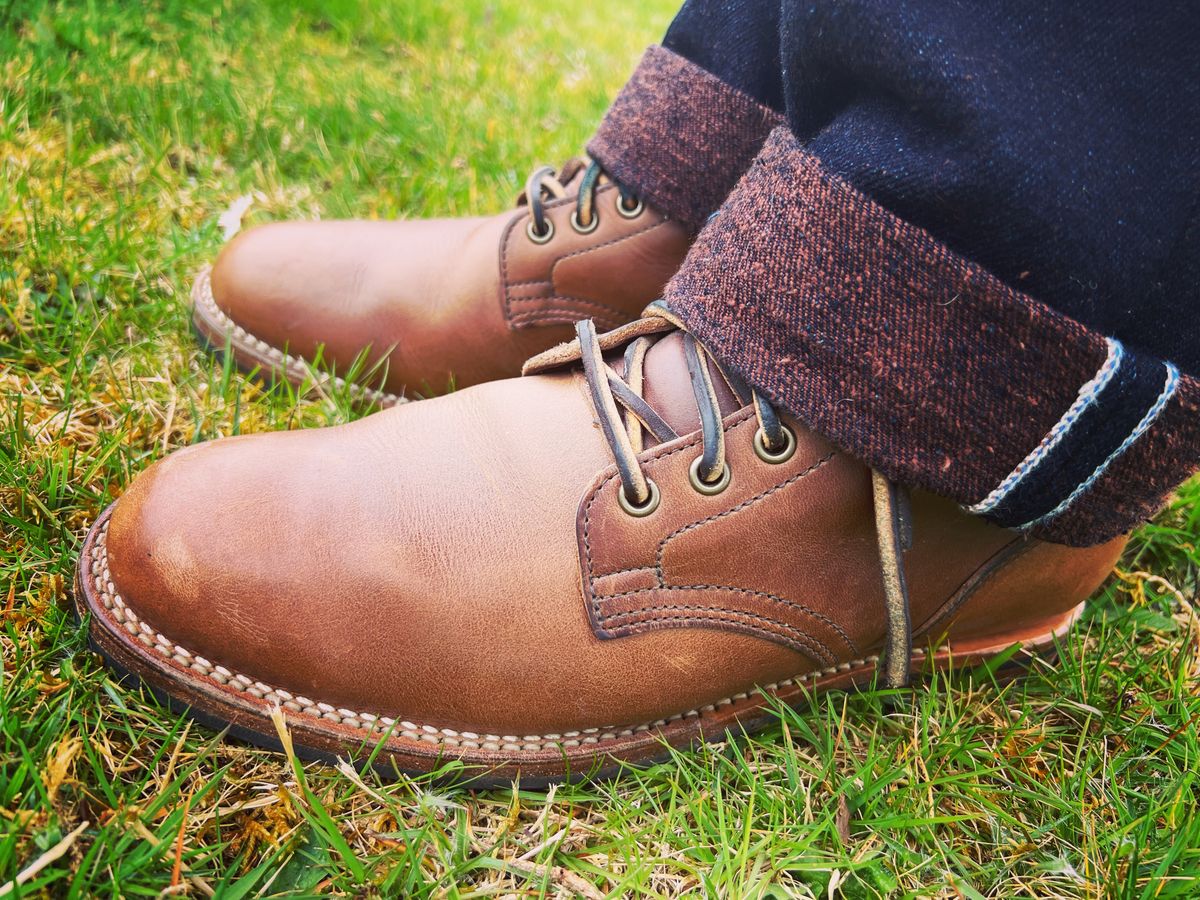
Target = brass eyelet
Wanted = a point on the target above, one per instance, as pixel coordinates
(646, 508)
(630, 212)
(777, 456)
(585, 229)
(544, 236)
(707, 487)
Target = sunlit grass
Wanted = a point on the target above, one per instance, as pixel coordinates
(125, 131)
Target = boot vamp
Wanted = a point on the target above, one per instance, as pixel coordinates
(424, 294)
(420, 563)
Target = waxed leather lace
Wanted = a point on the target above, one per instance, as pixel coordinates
(546, 184)
(611, 393)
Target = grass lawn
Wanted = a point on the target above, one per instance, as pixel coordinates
(125, 131)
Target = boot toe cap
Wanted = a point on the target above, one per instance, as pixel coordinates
(409, 292)
(268, 277)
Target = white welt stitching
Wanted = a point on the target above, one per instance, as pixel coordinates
(243, 684)
(296, 367)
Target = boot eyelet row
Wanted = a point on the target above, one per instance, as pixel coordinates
(709, 488)
(775, 457)
(585, 229)
(539, 237)
(649, 506)
(630, 212)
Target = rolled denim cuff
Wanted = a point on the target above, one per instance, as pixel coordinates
(916, 360)
(679, 136)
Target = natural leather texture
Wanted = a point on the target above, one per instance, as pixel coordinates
(445, 302)
(464, 562)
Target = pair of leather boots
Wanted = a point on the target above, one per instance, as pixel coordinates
(548, 575)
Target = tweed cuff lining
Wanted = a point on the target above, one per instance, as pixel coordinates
(679, 136)
(927, 367)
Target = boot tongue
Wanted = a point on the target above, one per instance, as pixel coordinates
(571, 173)
(574, 169)
(667, 386)
(567, 177)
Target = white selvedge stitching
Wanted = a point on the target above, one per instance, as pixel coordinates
(152, 640)
(1086, 397)
(295, 366)
(1160, 403)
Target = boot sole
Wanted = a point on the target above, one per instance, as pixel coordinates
(223, 699)
(218, 334)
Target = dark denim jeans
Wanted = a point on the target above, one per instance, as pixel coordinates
(1055, 143)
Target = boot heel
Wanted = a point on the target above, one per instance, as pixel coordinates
(1033, 642)
(1029, 593)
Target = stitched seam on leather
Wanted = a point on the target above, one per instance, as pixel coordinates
(153, 640)
(783, 601)
(609, 311)
(625, 237)
(561, 318)
(617, 314)
(657, 453)
(740, 506)
(956, 603)
(789, 638)
(557, 311)
(624, 572)
(565, 297)
(505, 240)
(297, 367)
(566, 305)
(509, 232)
(703, 613)
(662, 547)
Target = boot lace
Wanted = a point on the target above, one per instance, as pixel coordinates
(545, 185)
(626, 418)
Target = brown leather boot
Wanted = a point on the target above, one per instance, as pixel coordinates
(423, 306)
(551, 574)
